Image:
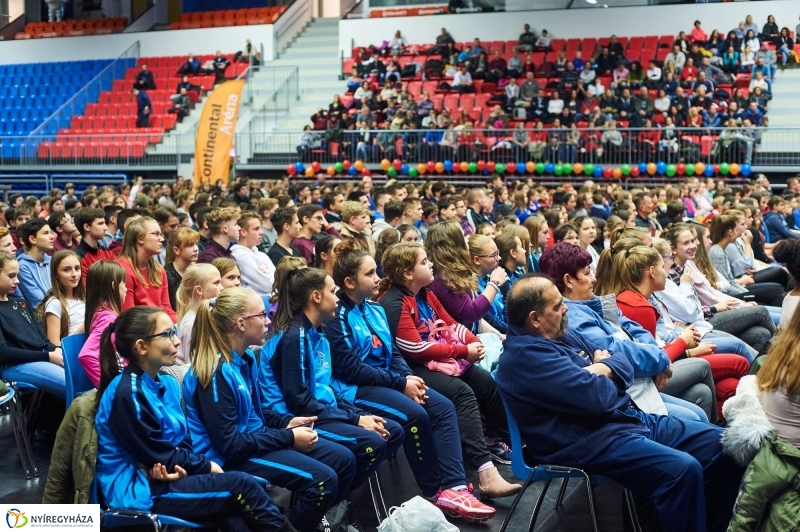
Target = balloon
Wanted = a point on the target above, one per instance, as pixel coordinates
(359, 164)
(511, 167)
(331, 170)
(346, 164)
(617, 173)
(500, 168)
(391, 172)
(481, 165)
(588, 169)
(635, 170)
(421, 168)
(316, 166)
(690, 170)
(338, 167)
(472, 167)
(734, 168)
(680, 168)
(412, 172)
(431, 166)
(625, 169)
(549, 168)
(404, 169)
(521, 167)
(439, 168)
(397, 164)
(661, 167)
(385, 164)
(746, 169)
(448, 165)
(699, 168)
(352, 171)
(366, 172)
(671, 170)
(642, 168)
(464, 166)
(651, 168)
(299, 167)
(598, 171)
(309, 172)
(530, 167)
(608, 172)
(291, 170)
(540, 168)
(557, 170)
(724, 168)
(491, 166)
(716, 169)
(709, 171)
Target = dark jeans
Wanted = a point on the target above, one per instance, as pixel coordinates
(753, 325)
(770, 294)
(774, 274)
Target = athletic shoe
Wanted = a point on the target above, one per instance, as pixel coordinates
(464, 504)
(499, 451)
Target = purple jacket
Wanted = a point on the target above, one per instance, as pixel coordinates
(465, 309)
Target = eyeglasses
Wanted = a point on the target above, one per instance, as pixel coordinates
(157, 235)
(66, 221)
(495, 255)
(171, 334)
(318, 218)
(667, 257)
(262, 315)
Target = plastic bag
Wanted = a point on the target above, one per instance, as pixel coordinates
(493, 348)
(416, 515)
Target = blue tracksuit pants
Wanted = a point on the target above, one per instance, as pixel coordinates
(432, 442)
(369, 448)
(225, 500)
(680, 466)
(320, 478)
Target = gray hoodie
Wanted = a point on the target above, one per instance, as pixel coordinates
(34, 278)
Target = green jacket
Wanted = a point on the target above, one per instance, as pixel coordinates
(72, 464)
(770, 490)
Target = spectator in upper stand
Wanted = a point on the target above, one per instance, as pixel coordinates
(477, 49)
(498, 66)
(730, 60)
(425, 105)
(688, 73)
(770, 59)
(605, 63)
(528, 90)
(682, 42)
(184, 84)
(759, 81)
(615, 49)
(569, 78)
(676, 56)
(619, 76)
(698, 34)
(515, 66)
(711, 72)
(702, 81)
(653, 74)
(398, 44)
(143, 108)
(712, 118)
(191, 67)
(543, 42)
(442, 41)
(144, 79)
(462, 81)
(770, 30)
(527, 40)
(221, 63)
(747, 59)
(749, 25)
(181, 105)
(785, 46)
(587, 73)
(739, 31)
(305, 143)
(643, 108)
(751, 40)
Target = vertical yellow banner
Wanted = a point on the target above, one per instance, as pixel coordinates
(215, 132)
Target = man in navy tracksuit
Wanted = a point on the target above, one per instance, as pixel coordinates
(569, 401)
(244, 438)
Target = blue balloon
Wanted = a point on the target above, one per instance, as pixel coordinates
(746, 169)
(352, 171)
(299, 167)
(486, 171)
(521, 168)
(404, 169)
(549, 168)
(448, 166)
(598, 171)
(642, 168)
(709, 171)
(661, 167)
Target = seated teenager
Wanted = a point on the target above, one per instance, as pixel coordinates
(26, 355)
(91, 224)
(287, 227)
(34, 264)
(513, 253)
(63, 308)
(568, 398)
(295, 373)
(63, 225)
(200, 282)
(369, 372)
(258, 272)
(742, 257)
(313, 223)
(226, 421)
(229, 272)
(144, 454)
(447, 367)
(224, 227)
(182, 251)
(787, 252)
(485, 260)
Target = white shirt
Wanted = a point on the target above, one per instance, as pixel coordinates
(76, 310)
(185, 336)
(787, 310)
(257, 270)
(462, 78)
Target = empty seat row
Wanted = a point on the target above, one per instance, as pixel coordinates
(27, 113)
(38, 30)
(228, 17)
(93, 66)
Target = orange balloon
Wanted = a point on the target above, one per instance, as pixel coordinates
(464, 166)
(359, 165)
(331, 170)
(577, 168)
(617, 173)
(699, 168)
(439, 168)
(651, 169)
(309, 172)
(530, 167)
(735, 169)
(385, 164)
(422, 168)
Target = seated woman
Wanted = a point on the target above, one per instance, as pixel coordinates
(601, 322)
(447, 367)
(513, 252)
(63, 309)
(369, 372)
(26, 355)
(587, 233)
(640, 273)
(200, 282)
(539, 232)
(456, 282)
(295, 373)
(778, 383)
(228, 426)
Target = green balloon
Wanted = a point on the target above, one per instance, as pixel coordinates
(626, 169)
(588, 169)
(724, 168)
(338, 167)
(671, 170)
(391, 172)
(557, 170)
(689, 169)
(540, 168)
(412, 172)
(500, 168)
(473, 167)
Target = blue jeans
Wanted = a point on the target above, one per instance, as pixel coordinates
(727, 343)
(683, 409)
(784, 53)
(775, 312)
(44, 375)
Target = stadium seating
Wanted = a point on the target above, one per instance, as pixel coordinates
(66, 28)
(228, 17)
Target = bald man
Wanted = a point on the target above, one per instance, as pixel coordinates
(569, 400)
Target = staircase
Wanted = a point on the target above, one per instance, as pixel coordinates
(780, 145)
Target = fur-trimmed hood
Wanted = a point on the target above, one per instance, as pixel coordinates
(748, 427)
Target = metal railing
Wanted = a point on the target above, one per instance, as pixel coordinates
(265, 81)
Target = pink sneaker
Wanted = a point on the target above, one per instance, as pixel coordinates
(464, 504)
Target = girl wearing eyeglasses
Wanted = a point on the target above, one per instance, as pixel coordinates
(144, 458)
(147, 279)
(295, 373)
(229, 426)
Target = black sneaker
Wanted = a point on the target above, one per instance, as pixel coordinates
(500, 452)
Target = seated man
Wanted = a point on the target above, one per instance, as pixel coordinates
(185, 84)
(144, 80)
(569, 401)
(221, 63)
(191, 67)
(181, 105)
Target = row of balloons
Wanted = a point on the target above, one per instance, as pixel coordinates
(397, 167)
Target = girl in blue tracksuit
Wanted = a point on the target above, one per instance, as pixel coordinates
(295, 373)
(369, 373)
(144, 458)
(227, 424)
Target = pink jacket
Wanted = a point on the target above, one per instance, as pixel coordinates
(89, 356)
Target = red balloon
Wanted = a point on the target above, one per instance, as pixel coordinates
(511, 168)
(346, 164)
(680, 168)
(366, 172)
(431, 166)
(291, 170)
(481, 165)
(316, 166)
(397, 164)
(608, 172)
(490, 166)
(634, 170)
(716, 169)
